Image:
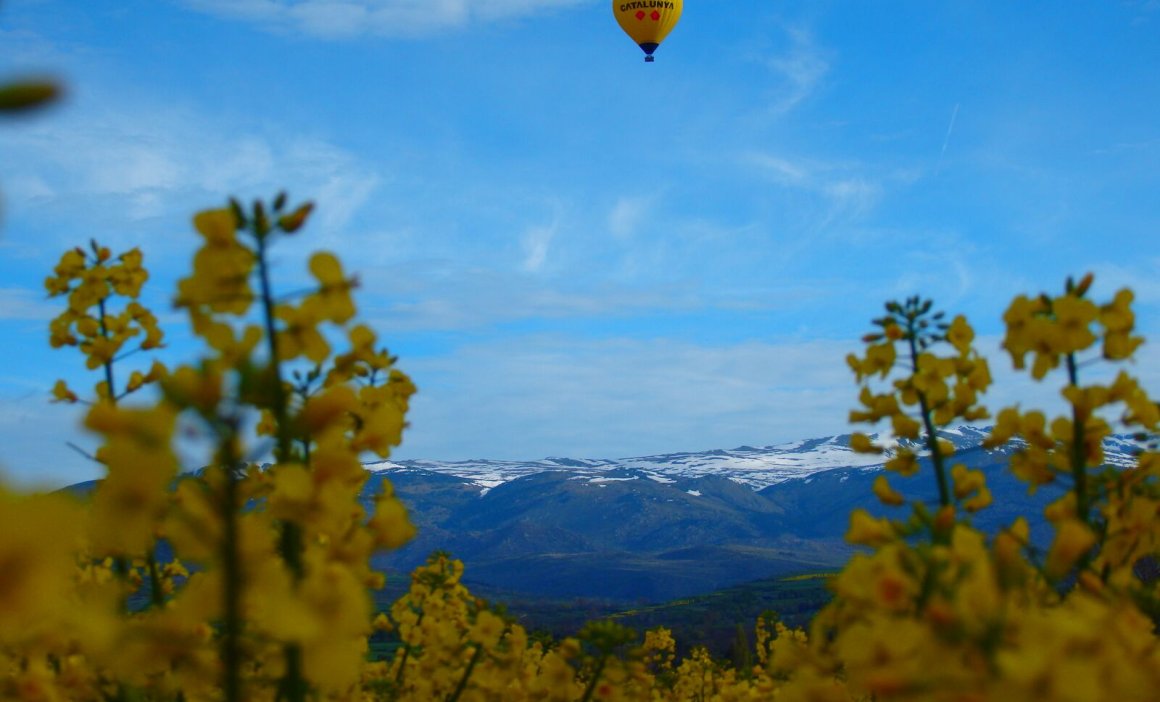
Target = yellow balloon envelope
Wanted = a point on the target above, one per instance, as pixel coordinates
(648, 22)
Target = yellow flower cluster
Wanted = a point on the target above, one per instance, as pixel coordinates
(1053, 327)
(252, 583)
(935, 609)
(266, 590)
(1103, 507)
(92, 280)
(931, 391)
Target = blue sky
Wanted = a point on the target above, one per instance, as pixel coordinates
(574, 252)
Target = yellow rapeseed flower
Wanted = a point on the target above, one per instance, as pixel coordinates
(390, 524)
(960, 334)
(1074, 317)
(61, 393)
(39, 535)
(887, 494)
(861, 443)
(333, 295)
(866, 530)
(1073, 539)
(299, 335)
(487, 629)
(904, 462)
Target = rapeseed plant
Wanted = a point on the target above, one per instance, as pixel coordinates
(266, 594)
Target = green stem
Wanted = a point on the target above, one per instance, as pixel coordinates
(595, 678)
(277, 387)
(121, 564)
(291, 541)
(293, 687)
(406, 655)
(1078, 459)
(156, 596)
(936, 457)
(466, 674)
(110, 388)
(1078, 455)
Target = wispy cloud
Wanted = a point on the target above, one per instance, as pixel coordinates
(17, 303)
(541, 395)
(336, 19)
(627, 214)
(565, 396)
(536, 242)
(36, 453)
(782, 170)
(444, 296)
(538, 395)
(138, 162)
(1143, 147)
(851, 196)
(800, 69)
(1140, 277)
(847, 190)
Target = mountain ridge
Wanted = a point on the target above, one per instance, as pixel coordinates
(672, 525)
(656, 528)
(757, 467)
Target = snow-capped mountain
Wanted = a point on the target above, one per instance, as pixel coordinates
(659, 527)
(755, 467)
(748, 465)
(670, 525)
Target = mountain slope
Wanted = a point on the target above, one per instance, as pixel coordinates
(655, 528)
(658, 527)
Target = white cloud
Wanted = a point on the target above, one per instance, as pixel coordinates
(800, 69)
(615, 398)
(1141, 278)
(782, 170)
(17, 303)
(446, 297)
(33, 449)
(536, 396)
(335, 19)
(852, 197)
(848, 193)
(627, 214)
(28, 187)
(140, 162)
(536, 243)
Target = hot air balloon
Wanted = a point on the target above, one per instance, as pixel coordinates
(648, 22)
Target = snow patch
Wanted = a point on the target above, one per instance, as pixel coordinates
(753, 468)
